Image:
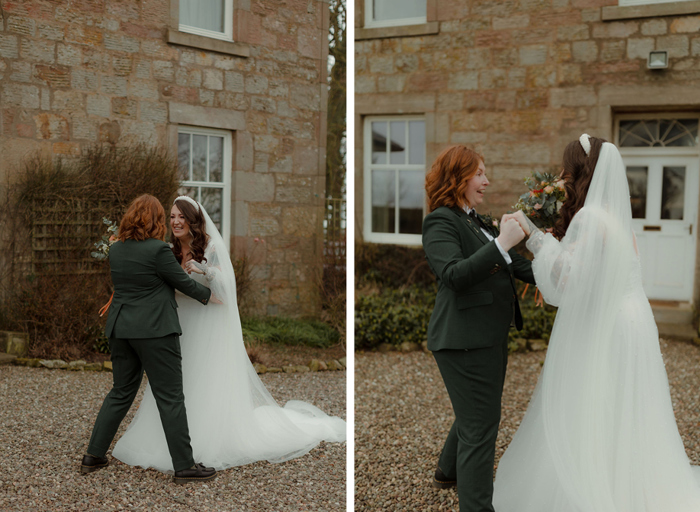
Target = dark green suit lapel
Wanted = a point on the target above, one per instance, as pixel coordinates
(471, 225)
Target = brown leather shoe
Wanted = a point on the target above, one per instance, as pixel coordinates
(91, 463)
(440, 481)
(197, 473)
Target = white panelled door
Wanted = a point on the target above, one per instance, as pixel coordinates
(664, 195)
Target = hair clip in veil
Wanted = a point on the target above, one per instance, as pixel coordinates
(585, 141)
(189, 200)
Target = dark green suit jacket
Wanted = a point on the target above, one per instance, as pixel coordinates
(476, 300)
(145, 274)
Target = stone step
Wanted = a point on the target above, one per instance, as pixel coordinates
(672, 313)
(676, 331)
(6, 358)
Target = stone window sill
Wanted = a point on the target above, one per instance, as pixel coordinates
(208, 43)
(626, 12)
(424, 29)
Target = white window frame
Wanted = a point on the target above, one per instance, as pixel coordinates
(226, 170)
(370, 22)
(369, 235)
(226, 35)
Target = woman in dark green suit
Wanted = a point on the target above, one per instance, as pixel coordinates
(143, 331)
(476, 304)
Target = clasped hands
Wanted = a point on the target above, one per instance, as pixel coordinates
(514, 227)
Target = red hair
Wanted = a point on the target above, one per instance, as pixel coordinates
(446, 183)
(145, 218)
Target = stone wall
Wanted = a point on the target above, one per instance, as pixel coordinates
(518, 80)
(75, 73)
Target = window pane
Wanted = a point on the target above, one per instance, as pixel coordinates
(659, 133)
(397, 147)
(399, 9)
(216, 159)
(637, 179)
(379, 143)
(411, 193)
(189, 191)
(206, 14)
(183, 155)
(199, 157)
(212, 200)
(416, 142)
(673, 193)
(383, 201)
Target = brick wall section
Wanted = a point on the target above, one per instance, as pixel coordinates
(518, 80)
(103, 71)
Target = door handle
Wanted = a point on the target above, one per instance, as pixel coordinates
(652, 228)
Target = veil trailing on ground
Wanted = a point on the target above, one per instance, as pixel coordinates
(232, 417)
(599, 434)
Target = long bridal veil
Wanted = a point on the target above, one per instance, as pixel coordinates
(599, 433)
(232, 417)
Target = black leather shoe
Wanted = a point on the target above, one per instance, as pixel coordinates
(440, 481)
(197, 473)
(91, 464)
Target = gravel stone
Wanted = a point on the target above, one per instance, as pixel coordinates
(403, 413)
(46, 418)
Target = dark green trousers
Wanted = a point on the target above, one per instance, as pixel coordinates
(162, 361)
(474, 380)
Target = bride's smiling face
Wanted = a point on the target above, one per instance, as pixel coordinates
(178, 224)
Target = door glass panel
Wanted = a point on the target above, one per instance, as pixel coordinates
(658, 133)
(398, 142)
(637, 178)
(383, 201)
(673, 193)
(411, 193)
(379, 143)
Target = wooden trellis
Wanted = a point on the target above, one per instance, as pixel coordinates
(334, 229)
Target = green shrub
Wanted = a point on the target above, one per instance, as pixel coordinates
(393, 316)
(391, 266)
(289, 331)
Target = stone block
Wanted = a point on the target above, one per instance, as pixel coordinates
(300, 221)
(68, 55)
(381, 64)
(17, 95)
(533, 55)
(9, 48)
(21, 25)
(234, 81)
(639, 48)
(676, 45)
(365, 85)
(206, 116)
(51, 126)
(122, 66)
(99, 105)
(266, 143)
(146, 89)
(255, 84)
(142, 69)
(68, 100)
(136, 132)
(305, 96)
(77, 365)
(463, 81)
(261, 162)
(577, 96)
(70, 149)
(615, 29)
(573, 32)
(50, 32)
(294, 188)
(125, 107)
(243, 151)
(511, 21)
(695, 46)
(612, 51)
(114, 85)
(253, 187)
(584, 51)
(213, 79)
(686, 24)
(14, 343)
(492, 78)
(83, 128)
(21, 71)
(121, 43)
(654, 27)
(154, 112)
(107, 366)
(83, 80)
(38, 51)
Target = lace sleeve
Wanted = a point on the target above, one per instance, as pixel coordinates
(551, 265)
(213, 275)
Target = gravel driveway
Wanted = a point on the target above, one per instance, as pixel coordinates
(403, 413)
(46, 417)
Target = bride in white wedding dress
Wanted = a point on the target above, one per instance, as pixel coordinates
(599, 434)
(233, 419)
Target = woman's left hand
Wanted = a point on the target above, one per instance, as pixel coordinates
(191, 266)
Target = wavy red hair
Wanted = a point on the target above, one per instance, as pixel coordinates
(145, 218)
(446, 183)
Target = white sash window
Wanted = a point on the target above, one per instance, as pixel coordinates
(210, 18)
(391, 13)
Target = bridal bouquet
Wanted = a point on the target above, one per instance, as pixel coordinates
(107, 240)
(544, 200)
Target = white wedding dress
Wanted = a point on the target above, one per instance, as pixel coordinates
(599, 434)
(232, 418)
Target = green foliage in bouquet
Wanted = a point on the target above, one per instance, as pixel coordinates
(544, 200)
(108, 239)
